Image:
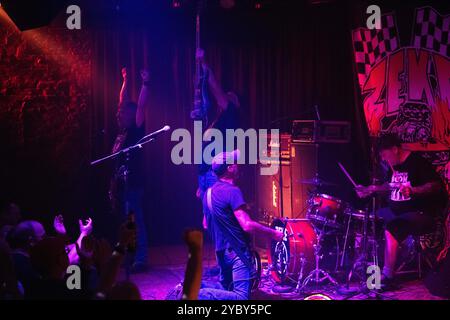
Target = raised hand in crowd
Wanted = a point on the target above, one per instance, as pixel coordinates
(85, 230)
(124, 73)
(58, 225)
(86, 227)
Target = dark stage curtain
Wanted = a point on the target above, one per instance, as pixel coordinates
(280, 64)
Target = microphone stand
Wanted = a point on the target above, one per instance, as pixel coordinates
(137, 145)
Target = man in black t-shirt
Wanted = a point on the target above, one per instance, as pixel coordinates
(416, 195)
(225, 218)
(130, 120)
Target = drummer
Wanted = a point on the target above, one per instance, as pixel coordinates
(416, 196)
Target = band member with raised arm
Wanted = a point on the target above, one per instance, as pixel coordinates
(130, 120)
(230, 225)
(227, 117)
(416, 196)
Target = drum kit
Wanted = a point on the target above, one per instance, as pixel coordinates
(330, 245)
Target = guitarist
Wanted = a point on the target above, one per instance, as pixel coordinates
(229, 224)
(130, 120)
(227, 117)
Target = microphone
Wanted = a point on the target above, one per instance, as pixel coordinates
(157, 132)
(163, 129)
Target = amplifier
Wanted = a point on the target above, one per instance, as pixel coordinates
(273, 192)
(316, 131)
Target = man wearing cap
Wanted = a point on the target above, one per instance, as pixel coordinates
(229, 226)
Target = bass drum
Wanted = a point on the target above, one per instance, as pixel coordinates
(295, 253)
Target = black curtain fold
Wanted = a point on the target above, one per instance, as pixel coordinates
(280, 65)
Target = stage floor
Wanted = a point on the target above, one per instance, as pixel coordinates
(168, 266)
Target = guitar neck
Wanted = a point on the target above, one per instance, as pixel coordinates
(197, 43)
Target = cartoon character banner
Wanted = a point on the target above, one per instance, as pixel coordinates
(406, 90)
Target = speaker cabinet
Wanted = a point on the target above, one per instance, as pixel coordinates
(274, 192)
(304, 166)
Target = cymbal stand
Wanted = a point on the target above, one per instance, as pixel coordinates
(317, 275)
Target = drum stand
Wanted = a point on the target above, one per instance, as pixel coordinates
(317, 275)
(363, 259)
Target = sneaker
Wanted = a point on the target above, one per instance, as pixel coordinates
(176, 293)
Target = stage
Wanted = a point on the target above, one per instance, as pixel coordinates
(168, 266)
(321, 127)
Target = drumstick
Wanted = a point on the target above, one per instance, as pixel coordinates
(347, 174)
(392, 168)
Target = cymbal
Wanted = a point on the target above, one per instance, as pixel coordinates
(316, 182)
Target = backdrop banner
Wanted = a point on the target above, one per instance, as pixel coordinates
(406, 89)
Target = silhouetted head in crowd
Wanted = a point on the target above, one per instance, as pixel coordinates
(26, 234)
(4, 232)
(49, 258)
(10, 214)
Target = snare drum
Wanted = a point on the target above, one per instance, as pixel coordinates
(327, 210)
(356, 219)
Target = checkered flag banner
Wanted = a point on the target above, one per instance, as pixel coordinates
(370, 46)
(431, 31)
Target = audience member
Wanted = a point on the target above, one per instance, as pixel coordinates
(34, 265)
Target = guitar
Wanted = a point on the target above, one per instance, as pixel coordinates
(201, 98)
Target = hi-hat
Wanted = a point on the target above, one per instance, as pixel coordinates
(316, 181)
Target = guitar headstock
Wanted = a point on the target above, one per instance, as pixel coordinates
(201, 6)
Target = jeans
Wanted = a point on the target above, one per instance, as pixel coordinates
(134, 196)
(235, 278)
